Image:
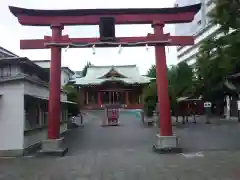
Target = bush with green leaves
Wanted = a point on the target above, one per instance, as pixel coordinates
(150, 99)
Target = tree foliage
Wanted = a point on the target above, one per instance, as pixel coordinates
(72, 93)
(84, 71)
(227, 14)
(180, 79)
(180, 83)
(150, 98)
(152, 71)
(219, 54)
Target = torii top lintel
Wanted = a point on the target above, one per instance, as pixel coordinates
(33, 17)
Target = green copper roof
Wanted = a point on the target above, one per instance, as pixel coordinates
(95, 75)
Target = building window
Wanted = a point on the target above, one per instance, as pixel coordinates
(6, 71)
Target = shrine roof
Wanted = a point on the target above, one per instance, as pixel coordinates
(85, 12)
(129, 74)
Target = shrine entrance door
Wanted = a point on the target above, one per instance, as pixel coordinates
(113, 97)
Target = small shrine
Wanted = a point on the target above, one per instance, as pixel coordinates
(105, 85)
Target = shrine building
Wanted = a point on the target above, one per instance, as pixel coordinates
(104, 85)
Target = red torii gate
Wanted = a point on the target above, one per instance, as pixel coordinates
(57, 19)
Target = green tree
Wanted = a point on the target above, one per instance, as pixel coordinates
(219, 55)
(72, 93)
(152, 71)
(84, 71)
(226, 13)
(150, 98)
(180, 83)
(150, 93)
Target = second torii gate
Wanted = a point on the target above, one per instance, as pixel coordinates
(106, 19)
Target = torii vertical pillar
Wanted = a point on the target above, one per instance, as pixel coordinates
(166, 141)
(54, 144)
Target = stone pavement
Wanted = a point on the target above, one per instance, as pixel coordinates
(124, 153)
(221, 134)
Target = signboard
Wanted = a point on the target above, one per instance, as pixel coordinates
(207, 104)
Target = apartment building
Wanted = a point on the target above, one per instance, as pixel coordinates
(201, 28)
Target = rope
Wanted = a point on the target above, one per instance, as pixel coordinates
(106, 43)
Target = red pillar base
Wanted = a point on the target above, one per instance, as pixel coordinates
(166, 144)
(53, 147)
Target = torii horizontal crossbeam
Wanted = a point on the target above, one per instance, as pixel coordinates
(36, 17)
(123, 41)
(93, 20)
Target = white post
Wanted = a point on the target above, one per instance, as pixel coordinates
(227, 107)
(238, 110)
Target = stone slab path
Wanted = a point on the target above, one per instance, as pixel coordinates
(125, 153)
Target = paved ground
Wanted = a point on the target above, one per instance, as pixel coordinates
(130, 134)
(124, 153)
(219, 135)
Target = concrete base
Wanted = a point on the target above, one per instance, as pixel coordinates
(11, 153)
(53, 147)
(166, 144)
(32, 149)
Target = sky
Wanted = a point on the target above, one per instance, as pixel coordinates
(11, 32)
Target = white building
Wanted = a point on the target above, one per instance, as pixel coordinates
(66, 73)
(201, 28)
(24, 94)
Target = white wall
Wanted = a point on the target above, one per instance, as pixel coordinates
(64, 77)
(44, 64)
(38, 90)
(11, 116)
